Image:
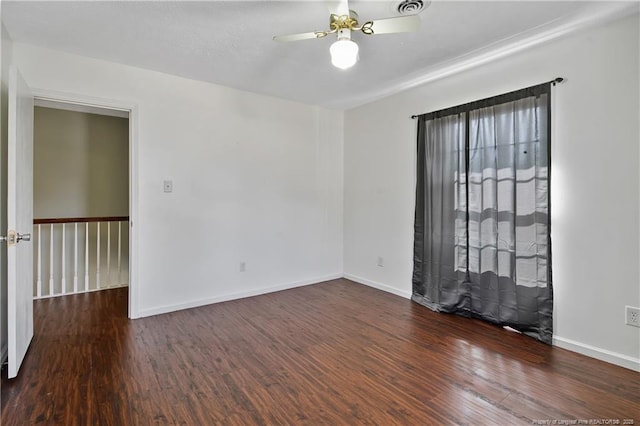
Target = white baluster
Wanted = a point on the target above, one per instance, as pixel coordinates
(75, 257)
(63, 281)
(119, 251)
(51, 260)
(108, 254)
(86, 256)
(39, 279)
(98, 256)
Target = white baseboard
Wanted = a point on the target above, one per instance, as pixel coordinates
(379, 286)
(598, 353)
(233, 296)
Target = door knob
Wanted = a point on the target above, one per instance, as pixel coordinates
(11, 238)
(14, 238)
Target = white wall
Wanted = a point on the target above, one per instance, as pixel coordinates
(595, 181)
(80, 164)
(255, 179)
(5, 56)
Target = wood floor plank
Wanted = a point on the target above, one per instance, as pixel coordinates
(331, 353)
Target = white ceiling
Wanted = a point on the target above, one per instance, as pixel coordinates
(230, 42)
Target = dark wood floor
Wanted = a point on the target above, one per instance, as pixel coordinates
(331, 353)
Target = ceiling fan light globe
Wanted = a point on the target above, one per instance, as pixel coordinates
(344, 54)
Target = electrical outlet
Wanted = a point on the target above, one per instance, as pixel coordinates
(242, 267)
(632, 316)
(380, 261)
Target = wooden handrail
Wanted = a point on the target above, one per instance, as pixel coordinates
(80, 219)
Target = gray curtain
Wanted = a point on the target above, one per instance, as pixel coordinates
(482, 231)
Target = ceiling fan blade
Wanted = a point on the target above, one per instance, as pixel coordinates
(338, 7)
(400, 24)
(300, 36)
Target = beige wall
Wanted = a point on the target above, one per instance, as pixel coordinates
(81, 164)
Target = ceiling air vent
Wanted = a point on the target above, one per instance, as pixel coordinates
(411, 7)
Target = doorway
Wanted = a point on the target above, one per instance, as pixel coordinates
(19, 198)
(81, 198)
(110, 260)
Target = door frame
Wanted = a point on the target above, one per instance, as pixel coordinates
(132, 109)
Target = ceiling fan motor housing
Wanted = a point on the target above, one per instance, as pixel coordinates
(344, 34)
(339, 22)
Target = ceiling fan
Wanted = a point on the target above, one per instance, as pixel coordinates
(344, 51)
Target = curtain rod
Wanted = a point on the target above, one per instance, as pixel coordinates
(553, 82)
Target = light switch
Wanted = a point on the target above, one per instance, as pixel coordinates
(168, 186)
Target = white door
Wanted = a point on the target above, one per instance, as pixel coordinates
(19, 221)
